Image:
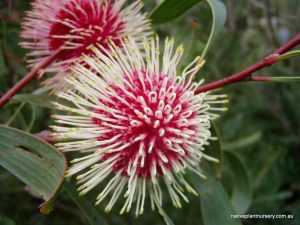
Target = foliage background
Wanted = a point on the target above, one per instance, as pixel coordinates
(262, 125)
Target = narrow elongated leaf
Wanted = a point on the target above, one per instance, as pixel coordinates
(171, 9)
(241, 195)
(36, 163)
(42, 99)
(6, 221)
(243, 142)
(187, 39)
(264, 163)
(280, 196)
(166, 218)
(3, 69)
(219, 14)
(289, 54)
(216, 207)
(285, 79)
(92, 215)
(215, 150)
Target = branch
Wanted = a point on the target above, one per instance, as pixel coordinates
(258, 79)
(10, 19)
(30, 76)
(8, 56)
(242, 76)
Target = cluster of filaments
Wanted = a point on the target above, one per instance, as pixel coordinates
(137, 122)
(75, 26)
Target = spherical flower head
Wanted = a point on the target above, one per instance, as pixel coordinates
(75, 26)
(137, 123)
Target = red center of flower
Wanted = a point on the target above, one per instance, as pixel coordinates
(149, 119)
(82, 23)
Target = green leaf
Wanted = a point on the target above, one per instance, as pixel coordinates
(241, 193)
(6, 221)
(166, 218)
(17, 111)
(280, 196)
(92, 215)
(40, 97)
(171, 9)
(219, 14)
(32, 119)
(289, 54)
(36, 163)
(187, 39)
(216, 207)
(215, 150)
(264, 162)
(3, 69)
(285, 79)
(243, 142)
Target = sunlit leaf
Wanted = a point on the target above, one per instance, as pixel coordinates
(34, 162)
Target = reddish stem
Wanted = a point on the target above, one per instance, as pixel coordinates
(259, 79)
(10, 19)
(8, 56)
(291, 44)
(242, 76)
(31, 75)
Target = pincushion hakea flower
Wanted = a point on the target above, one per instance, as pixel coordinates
(138, 124)
(76, 25)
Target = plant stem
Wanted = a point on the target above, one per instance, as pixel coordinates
(244, 74)
(30, 76)
(258, 79)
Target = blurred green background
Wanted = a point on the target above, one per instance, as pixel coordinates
(262, 125)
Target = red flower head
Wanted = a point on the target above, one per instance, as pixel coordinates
(76, 25)
(138, 124)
